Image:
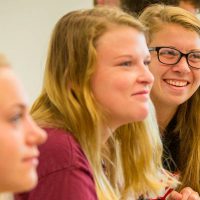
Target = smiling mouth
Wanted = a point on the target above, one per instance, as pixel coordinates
(177, 83)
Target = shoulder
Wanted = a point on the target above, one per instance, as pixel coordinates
(61, 151)
(64, 171)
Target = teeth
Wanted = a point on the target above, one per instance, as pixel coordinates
(177, 83)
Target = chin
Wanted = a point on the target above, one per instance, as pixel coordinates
(141, 118)
(142, 114)
(175, 103)
(28, 183)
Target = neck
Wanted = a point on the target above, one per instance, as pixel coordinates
(107, 132)
(164, 114)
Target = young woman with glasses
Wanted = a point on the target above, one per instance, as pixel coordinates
(174, 44)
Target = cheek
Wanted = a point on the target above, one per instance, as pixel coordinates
(112, 91)
(10, 153)
(155, 72)
(122, 83)
(105, 84)
(197, 78)
(153, 65)
(12, 143)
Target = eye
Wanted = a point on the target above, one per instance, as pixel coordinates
(126, 64)
(15, 119)
(168, 53)
(194, 56)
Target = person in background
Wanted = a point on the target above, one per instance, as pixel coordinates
(191, 5)
(107, 2)
(19, 135)
(174, 44)
(96, 96)
(137, 6)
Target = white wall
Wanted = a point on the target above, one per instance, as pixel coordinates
(25, 28)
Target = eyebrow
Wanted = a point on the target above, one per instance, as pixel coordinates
(125, 55)
(21, 106)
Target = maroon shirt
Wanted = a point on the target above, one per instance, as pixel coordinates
(64, 171)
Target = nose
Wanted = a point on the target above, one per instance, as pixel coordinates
(35, 135)
(146, 77)
(182, 66)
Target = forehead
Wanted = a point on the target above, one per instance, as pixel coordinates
(121, 38)
(169, 33)
(118, 31)
(172, 26)
(11, 90)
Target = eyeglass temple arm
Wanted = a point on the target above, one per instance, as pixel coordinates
(152, 48)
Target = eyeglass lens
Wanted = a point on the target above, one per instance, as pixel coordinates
(173, 56)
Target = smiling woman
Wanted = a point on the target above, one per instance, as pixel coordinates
(174, 43)
(19, 135)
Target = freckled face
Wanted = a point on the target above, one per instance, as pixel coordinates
(174, 84)
(122, 81)
(19, 137)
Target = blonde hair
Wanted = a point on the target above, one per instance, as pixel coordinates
(187, 118)
(67, 102)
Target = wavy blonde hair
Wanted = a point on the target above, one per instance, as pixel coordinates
(155, 18)
(67, 102)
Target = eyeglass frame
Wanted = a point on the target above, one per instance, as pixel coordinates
(157, 49)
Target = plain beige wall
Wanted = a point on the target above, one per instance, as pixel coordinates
(25, 30)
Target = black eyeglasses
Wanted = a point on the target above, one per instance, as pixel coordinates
(171, 56)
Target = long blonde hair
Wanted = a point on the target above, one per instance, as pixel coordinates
(187, 117)
(67, 102)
